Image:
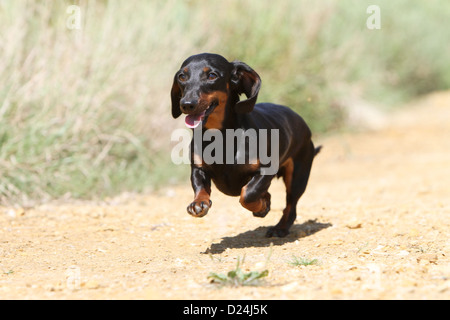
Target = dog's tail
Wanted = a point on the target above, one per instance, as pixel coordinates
(317, 150)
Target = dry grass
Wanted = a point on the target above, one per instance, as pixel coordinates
(84, 113)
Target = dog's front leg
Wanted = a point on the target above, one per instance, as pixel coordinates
(255, 197)
(201, 183)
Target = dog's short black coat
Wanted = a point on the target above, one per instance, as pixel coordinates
(207, 88)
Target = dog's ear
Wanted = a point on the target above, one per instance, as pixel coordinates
(175, 95)
(245, 80)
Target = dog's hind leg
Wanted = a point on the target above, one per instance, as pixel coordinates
(295, 172)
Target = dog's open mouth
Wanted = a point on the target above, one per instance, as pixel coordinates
(193, 120)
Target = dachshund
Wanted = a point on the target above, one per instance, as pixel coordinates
(207, 90)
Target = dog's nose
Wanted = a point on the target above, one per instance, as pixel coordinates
(187, 106)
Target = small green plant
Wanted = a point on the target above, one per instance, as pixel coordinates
(296, 261)
(8, 272)
(237, 277)
(362, 247)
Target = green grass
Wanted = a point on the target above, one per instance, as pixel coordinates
(299, 261)
(8, 272)
(237, 277)
(85, 113)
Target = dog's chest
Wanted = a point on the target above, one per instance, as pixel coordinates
(230, 179)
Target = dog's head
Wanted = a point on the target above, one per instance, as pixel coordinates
(202, 87)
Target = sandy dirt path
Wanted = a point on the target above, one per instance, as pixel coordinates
(375, 216)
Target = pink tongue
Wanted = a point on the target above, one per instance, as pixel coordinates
(193, 120)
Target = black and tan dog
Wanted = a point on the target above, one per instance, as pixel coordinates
(207, 89)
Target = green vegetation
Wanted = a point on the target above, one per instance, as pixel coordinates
(237, 277)
(85, 113)
(296, 261)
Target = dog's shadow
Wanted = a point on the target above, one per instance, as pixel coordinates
(256, 238)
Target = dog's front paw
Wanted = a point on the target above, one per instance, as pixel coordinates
(265, 206)
(263, 213)
(199, 209)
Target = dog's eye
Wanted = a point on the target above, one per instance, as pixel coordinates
(182, 77)
(212, 76)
